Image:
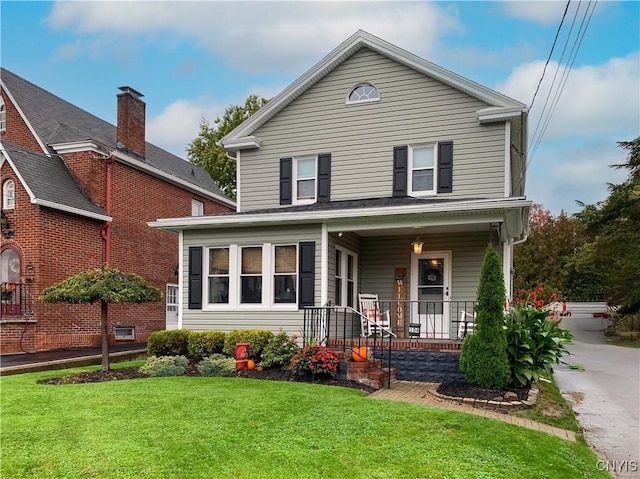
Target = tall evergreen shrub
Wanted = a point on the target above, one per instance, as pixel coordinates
(484, 353)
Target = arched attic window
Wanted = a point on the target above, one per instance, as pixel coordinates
(8, 195)
(363, 92)
(3, 115)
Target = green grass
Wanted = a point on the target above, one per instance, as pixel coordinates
(633, 342)
(551, 408)
(188, 427)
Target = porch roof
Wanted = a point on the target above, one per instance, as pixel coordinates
(371, 214)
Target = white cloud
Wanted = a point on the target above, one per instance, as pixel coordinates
(179, 123)
(597, 100)
(544, 12)
(562, 174)
(260, 36)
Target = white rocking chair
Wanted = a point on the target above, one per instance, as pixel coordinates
(466, 324)
(372, 320)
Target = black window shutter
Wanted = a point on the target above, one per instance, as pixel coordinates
(195, 277)
(324, 178)
(399, 171)
(306, 274)
(285, 181)
(445, 166)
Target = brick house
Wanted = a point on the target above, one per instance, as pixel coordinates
(77, 193)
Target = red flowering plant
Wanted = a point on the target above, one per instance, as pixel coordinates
(534, 341)
(7, 290)
(316, 359)
(537, 297)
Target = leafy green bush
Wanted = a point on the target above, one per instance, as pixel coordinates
(258, 338)
(279, 351)
(484, 353)
(169, 343)
(217, 365)
(534, 343)
(205, 343)
(165, 366)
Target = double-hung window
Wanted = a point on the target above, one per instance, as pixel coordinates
(422, 170)
(197, 208)
(285, 274)
(219, 275)
(346, 277)
(305, 180)
(251, 275)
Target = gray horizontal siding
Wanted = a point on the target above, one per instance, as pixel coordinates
(245, 318)
(413, 109)
(380, 256)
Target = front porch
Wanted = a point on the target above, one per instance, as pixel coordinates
(400, 351)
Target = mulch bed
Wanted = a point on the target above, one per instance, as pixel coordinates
(465, 390)
(133, 373)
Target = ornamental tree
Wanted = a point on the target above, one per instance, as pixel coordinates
(105, 285)
(484, 353)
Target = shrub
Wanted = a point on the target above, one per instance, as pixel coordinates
(165, 366)
(217, 365)
(169, 343)
(316, 359)
(258, 338)
(484, 353)
(534, 343)
(205, 343)
(279, 350)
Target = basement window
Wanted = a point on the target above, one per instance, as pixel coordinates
(125, 333)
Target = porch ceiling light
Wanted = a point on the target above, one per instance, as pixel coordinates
(417, 246)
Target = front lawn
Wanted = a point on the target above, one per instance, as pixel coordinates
(188, 427)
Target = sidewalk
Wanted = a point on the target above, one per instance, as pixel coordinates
(67, 358)
(418, 393)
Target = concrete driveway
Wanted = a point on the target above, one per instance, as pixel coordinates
(605, 395)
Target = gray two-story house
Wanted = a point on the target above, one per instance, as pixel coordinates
(375, 172)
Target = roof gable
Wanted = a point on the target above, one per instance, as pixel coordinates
(49, 182)
(237, 139)
(56, 121)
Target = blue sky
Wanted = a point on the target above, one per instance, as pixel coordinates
(193, 59)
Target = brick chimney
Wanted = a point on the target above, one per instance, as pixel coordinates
(131, 120)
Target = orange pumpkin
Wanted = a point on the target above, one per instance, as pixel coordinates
(251, 364)
(359, 354)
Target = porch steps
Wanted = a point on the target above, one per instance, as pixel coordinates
(367, 372)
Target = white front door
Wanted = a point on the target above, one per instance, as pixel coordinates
(430, 293)
(172, 306)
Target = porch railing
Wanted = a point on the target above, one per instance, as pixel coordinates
(15, 299)
(447, 320)
(341, 325)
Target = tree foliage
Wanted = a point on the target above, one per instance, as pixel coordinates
(615, 226)
(205, 152)
(547, 258)
(104, 285)
(484, 353)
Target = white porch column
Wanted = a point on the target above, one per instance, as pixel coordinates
(324, 269)
(507, 266)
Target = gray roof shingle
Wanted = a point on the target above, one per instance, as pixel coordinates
(49, 179)
(57, 121)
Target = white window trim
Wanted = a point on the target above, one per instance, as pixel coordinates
(273, 303)
(358, 102)
(294, 196)
(410, 170)
(197, 207)
(344, 269)
(235, 267)
(5, 196)
(3, 116)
